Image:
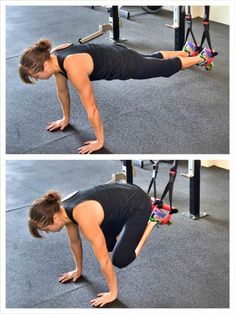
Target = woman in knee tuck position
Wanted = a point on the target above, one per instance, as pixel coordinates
(101, 214)
(82, 64)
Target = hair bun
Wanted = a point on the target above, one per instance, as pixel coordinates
(44, 45)
(52, 196)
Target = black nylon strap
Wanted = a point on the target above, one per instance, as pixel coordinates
(153, 180)
(169, 186)
(188, 18)
(206, 33)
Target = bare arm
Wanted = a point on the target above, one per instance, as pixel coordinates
(75, 244)
(91, 230)
(63, 94)
(97, 240)
(76, 248)
(101, 253)
(64, 98)
(83, 86)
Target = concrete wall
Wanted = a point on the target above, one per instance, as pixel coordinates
(218, 163)
(218, 13)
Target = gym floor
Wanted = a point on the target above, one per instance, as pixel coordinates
(184, 265)
(187, 113)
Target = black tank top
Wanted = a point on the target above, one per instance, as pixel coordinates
(110, 61)
(119, 201)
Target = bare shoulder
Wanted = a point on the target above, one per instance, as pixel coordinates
(89, 216)
(81, 63)
(91, 211)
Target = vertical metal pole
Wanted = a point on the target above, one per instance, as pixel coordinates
(180, 31)
(194, 194)
(114, 15)
(129, 171)
(194, 176)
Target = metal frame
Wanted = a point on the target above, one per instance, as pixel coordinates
(113, 27)
(194, 176)
(127, 174)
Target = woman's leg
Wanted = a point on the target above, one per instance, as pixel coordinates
(202, 57)
(168, 54)
(111, 232)
(173, 54)
(189, 62)
(146, 234)
(133, 230)
(124, 250)
(183, 56)
(150, 67)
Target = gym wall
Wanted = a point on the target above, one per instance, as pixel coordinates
(218, 163)
(218, 13)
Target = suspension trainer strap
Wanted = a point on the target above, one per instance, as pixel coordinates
(153, 180)
(159, 210)
(188, 18)
(206, 33)
(170, 184)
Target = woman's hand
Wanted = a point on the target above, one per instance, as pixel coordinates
(103, 298)
(90, 146)
(58, 124)
(71, 275)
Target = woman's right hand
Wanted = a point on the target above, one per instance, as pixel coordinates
(58, 124)
(71, 275)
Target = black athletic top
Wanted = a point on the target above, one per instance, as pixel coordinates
(119, 201)
(110, 61)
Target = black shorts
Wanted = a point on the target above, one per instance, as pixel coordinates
(130, 232)
(151, 66)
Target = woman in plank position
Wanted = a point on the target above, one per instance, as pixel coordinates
(101, 214)
(82, 64)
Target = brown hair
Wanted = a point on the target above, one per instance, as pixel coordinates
(33, 58)
(41, 212)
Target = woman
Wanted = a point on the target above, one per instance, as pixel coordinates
(82, 64)
(102, 214)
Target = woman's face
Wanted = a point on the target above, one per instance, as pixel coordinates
(41, 76)
(45, 74)
(57, 225)
(52, 228)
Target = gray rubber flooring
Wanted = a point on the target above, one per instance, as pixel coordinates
(184, 265)
(187, 113)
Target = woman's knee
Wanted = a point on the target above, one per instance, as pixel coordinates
(173, 66)
(122, 260)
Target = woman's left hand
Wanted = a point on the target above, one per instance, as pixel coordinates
(103, 298)
(90, 146)
(71, 275)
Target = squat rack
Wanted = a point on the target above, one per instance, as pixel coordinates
(194, 176)
(179, 17)
(114, 24)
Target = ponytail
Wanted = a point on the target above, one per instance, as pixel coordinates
(52, 197)
(43, 45)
